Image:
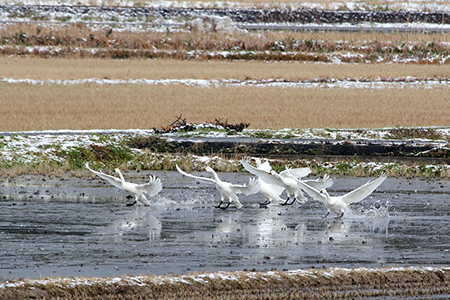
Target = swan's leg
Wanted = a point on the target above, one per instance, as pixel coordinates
(286, 202)
(293, 201)
(131, 204)
(219, 206)
(326, 215)
(342, 214)
(129, 197)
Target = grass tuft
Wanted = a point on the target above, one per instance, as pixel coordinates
(416, 133)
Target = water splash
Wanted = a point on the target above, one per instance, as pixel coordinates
(377, 209)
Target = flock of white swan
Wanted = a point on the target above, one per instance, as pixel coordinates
(269, 183)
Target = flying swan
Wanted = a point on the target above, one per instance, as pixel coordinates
(286, 181)
(339, 205)
(153, 187)
(227, 190)
(271, 192)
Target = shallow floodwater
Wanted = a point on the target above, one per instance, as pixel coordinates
(80, 227)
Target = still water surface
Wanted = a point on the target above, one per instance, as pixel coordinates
(83, 228)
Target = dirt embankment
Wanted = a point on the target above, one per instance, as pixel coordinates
(407, 150)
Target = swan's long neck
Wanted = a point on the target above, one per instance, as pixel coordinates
(258, 162)
(277, 176)
(327, 197)
(215, 175)
(120, 175)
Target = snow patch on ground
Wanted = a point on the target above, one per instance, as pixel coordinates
(413, 5)
(350, 83)
(212, 24)
(42, 146)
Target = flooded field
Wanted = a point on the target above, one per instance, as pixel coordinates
(82, 227)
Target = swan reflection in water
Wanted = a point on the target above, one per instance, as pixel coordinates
(142, 221)
(275, 227)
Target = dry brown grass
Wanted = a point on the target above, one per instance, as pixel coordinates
(62, 69)
(315, 284)
(79, 41)
(27, 107)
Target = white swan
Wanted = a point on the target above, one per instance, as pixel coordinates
(339, 205)
(153, 187)
(271, 192)
(227, 190)
(285, 181)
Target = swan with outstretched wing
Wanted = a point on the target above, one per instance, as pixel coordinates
(153, 187)
(228, 191)
(339, 204)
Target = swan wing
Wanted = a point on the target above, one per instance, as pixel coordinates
(210, 180)
(247, 189)
(111, 179)
(320, 183)
(297, 173)
(152, 187)
(311, 191)
(265, 176)
(265, 166)
(364, 190)
(314, 193)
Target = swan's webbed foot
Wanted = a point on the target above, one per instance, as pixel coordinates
(264, 204)
(286, 202)
(131, 204)
(129, 197)
(218, 206)
(222, 207)
(225, 207)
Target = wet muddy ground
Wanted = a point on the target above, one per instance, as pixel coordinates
(82, 227)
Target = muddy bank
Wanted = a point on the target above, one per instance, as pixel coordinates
(295, 148)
